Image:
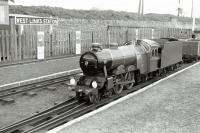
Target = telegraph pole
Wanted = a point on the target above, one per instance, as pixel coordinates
(193, 15)
(141, 7)
(192, 10)
(180, 9)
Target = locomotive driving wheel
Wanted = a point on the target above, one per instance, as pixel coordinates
(117, 89)
(129, 77)
(109, 93)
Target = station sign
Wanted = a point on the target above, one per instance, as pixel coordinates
(35, 21)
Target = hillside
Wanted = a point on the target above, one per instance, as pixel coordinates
(90, 14)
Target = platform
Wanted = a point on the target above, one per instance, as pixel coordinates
(21, 74)
(170, 105)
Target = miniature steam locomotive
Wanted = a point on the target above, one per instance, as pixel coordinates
(109, 71)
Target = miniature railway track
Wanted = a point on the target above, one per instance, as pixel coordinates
(70, 110)
(33, 86)
(42, 116)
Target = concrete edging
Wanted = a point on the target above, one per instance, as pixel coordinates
(39, 79)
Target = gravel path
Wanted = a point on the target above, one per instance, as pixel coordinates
(172, 106)
(26, 106)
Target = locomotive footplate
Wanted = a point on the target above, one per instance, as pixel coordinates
(125, 82)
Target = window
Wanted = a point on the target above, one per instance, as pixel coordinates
(153, 52)
(156, 52)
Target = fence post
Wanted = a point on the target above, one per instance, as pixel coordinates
(1, 42)
(127, 34)
(20, 32)
(7, 45)
(108, 34)
(51, 40)
(92, 37)
(51, 45)
(108, 38)
(70, 45)
(3, 46)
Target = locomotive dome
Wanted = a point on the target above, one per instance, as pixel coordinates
(96, 47)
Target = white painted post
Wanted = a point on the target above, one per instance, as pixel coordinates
(40, 45)
(152, 33)
(78, 42)
(136, 34)
(21, 29)
(51, 29)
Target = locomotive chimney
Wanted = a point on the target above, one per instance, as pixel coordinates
(96, 47)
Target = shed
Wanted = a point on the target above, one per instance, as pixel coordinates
(4, 14)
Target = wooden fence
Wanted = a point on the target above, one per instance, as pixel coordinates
(20, 45)
(121, 34)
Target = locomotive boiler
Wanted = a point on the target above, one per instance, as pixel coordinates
(94, 61)
(109, 71)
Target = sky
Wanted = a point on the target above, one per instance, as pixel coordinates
(150, 6)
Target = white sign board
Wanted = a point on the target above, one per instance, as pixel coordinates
(152, 33)
(35, 21)
(40, 45)
(136, 34)
(78, 42)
